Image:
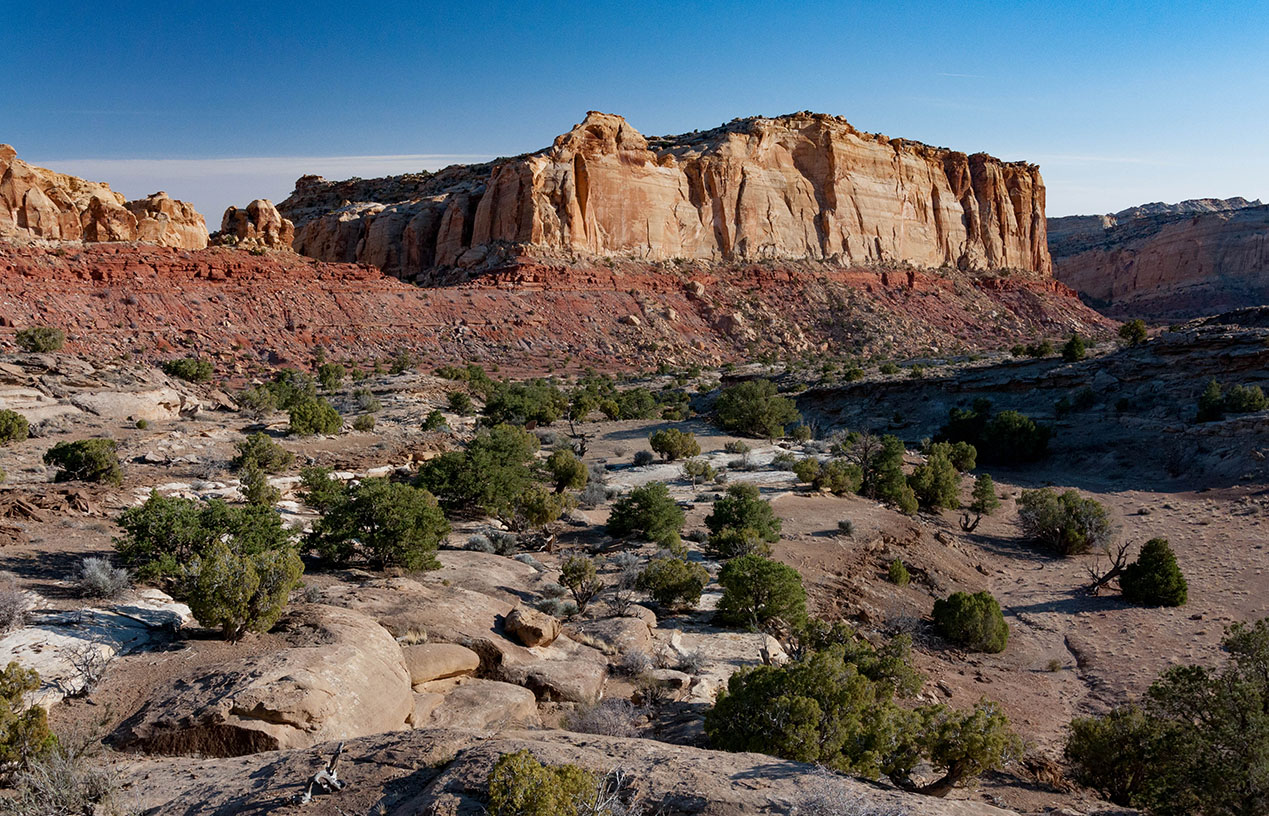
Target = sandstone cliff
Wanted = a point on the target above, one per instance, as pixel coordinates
(1166, 262)
(793, 187)
(39, 203)
(259, 225)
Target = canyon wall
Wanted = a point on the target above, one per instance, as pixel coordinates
(805, 186)
(1167, 262)
(40, 204)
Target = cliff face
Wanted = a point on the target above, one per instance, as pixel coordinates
(39, 203)
(1167, 262)
(800, 186)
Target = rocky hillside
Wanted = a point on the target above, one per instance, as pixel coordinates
(627, 315)
(37, 203)
(792, 187)
(1167, 262)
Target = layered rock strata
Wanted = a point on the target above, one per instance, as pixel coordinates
(793, 187)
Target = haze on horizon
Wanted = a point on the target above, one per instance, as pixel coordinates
(1120, 105)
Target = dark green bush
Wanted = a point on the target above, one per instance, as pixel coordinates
(984, 501)
(647, 512)
(241, 592)
(937, 483)
(1006, 438)
(538, 402)
(566, 471)
(13, 427)
(384, 523)
(752, 408)
(290, 387)
(1154, 579)
(579, 575)
(973, 621)
(898, 573)
(1133, 332)
(1075, 349)
(189, 369)
(519, 785)
(674, 583)
(314, 415)
(364, 423)
(38, 339)
(331, 375)
(435, 421)
(761, 593)
(836, 475)
(460, 403)
(1065, 522)
(259, 451)
(741, 509)
(25, 737)
(489, 476)
(255, 487)
(87, 460)
(674, 444)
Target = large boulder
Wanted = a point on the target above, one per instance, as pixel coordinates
(437, 661)
(342, 676)
(484, 705)
(531, 627)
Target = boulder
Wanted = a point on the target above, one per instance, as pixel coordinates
(341, 676)
(618, 634)
(259, 225)
(485, 705)
(153, 404)
(531, 627)
(436, 661)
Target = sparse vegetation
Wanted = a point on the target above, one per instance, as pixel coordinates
(752, 408)
(189, 369)
(579, 575)
(1065, 522)
(1133, 333)
(86, 460)
(40, 339)
(1075, 349)
(1006, 438)
(1215, 401)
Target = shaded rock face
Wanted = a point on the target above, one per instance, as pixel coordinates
(259, 224)
(39, 203)
(344, 676)
(799, 186)
(1166, 262)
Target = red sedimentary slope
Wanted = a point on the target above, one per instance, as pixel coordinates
(118, 299)
(787, 188)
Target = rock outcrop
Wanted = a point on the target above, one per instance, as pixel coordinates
(792, 187)
(258, 225)
(342, 676)
(39, 203)
(1167, 262)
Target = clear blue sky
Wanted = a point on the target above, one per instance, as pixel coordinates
(1119, 102)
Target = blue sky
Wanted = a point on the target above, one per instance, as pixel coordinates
(1119, 102)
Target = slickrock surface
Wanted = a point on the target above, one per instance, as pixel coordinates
(1166, 262)
(799, 186)
(115, 299)
(39, 203)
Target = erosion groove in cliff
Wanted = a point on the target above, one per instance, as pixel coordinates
(803, 186)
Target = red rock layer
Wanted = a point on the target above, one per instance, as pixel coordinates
(133, 300)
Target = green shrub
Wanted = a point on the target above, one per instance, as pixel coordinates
(649, 513)
(189, 369)
(760, 593)
(367, 401)
(163, 535)
(1239, 399)
(403, 361)
(880, 463)
(364, 423)
(674, 444)
(834, 706)
(488, 476)
(537, 401)
(752, 408)
(937, 483)
(314, 415)
(24, 734)
(13, 427)
(673, 582)
(38, 339)
(519, 785)
(257, 401)
(1075, 349)
(973, 621)
(1194, 744)
(1154, 579)
(261, 452)
(566, 471)
(255, 487)
(1067, 522)
(741, 523)
(1133, 332)
(1006, 438)
(898, 573)
(87, 460)
(579, 576)
(698, 470)
(385, 523)
(142, 424)
(962, 455)
(240, 592)
(435, 421)
(460, 403)
(291, 387)
(984, 501)
(536, 507)
(331, 375)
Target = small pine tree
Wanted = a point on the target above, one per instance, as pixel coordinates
(1075, 349)
(898, 573)
(1211, 403)
(86, 460)
(984, 501)
(674, 583)
(255, 488)
(314, 415)
(239, 592)
(674, 444)
(759, 592)
(579, 575)
(937, 483)
(566, 471)
(1154, 579)
(1133, 332)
